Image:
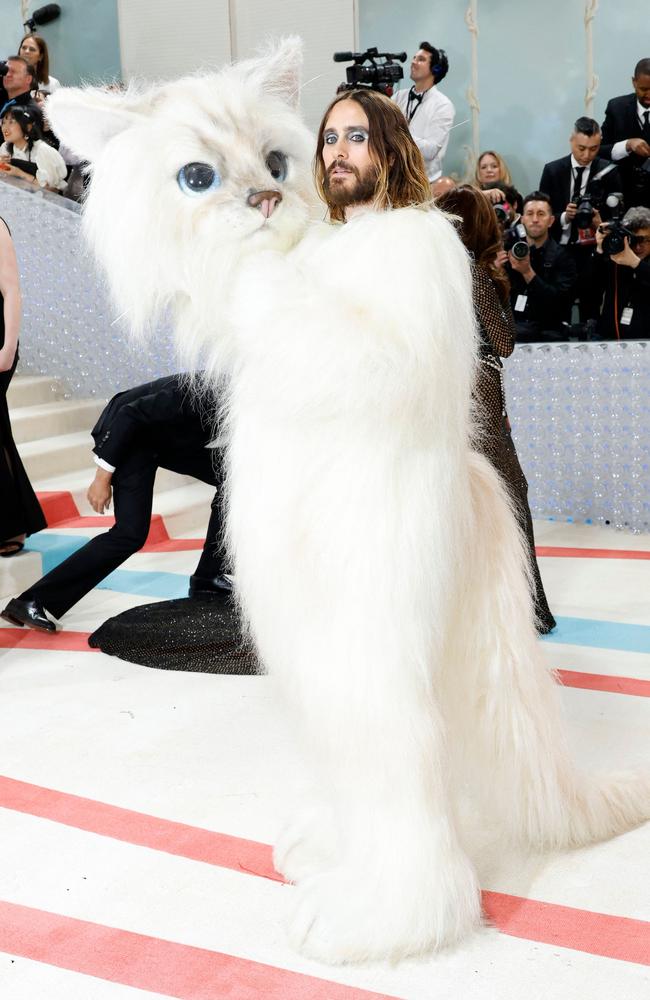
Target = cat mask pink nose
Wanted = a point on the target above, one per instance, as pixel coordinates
(266, 201)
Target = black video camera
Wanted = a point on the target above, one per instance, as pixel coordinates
(515, 242)
(381, 76)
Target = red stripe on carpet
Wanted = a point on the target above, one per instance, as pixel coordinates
(27, 638)
(561, 552)
(604, 682)
(548, 923)
(58, 505)
(157, 531)
(567, 927)
(154, 964)
(139, 828)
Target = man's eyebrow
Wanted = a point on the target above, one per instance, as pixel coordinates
(348, 128)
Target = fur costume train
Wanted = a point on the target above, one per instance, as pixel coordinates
(376, 556)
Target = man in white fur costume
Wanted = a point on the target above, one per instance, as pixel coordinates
(376, 557)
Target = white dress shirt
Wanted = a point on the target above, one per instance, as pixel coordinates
(429, 126)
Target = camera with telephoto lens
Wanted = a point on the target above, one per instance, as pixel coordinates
(381, 76)
(515, 242)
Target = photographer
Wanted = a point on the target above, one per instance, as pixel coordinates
(578, 186)
(541, 280)
(626, 137)
(429, 113)
(626, 309)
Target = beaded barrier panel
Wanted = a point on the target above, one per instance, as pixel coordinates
(580, 415)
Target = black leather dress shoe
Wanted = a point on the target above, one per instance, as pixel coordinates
(29, 613)
(203, 586)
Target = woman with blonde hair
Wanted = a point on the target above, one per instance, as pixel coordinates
(492, 175)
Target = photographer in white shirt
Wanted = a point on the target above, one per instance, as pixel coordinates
(429, 113)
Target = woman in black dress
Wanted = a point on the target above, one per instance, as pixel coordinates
(20, 511)
(480, 232)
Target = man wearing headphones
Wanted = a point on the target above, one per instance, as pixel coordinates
(429, 113)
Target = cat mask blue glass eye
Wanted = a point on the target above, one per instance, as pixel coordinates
(196, 179)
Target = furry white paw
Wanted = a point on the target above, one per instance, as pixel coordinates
(307, 845)
(343, 915)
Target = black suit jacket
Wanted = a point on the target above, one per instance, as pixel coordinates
(557, 183)
(621, 122)
(162, 416)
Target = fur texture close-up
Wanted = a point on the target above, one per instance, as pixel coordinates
(377, 560)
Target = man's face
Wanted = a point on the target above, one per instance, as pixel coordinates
(537, 219)
(642, 245)
(585, 147)
(641, 86)
(17, 78)
(350, 174)
(420, 66)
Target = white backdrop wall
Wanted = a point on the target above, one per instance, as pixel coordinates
(162, 39)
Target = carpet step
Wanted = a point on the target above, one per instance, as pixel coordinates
(30, 390)
(45, 420)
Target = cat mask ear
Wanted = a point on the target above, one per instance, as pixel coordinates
(86, 119)
(278, 69)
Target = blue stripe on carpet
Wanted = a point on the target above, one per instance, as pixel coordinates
(55, 548)
(601, 634)
(151, 583)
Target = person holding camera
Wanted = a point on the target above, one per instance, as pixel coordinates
(579, 185)
(626, 137)
(542, 277)
(625, 250)
(428, 112)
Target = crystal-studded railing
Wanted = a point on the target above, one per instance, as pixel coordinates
(580, 415)
(68, 328)
(580, 412)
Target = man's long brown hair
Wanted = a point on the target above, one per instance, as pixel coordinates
(401, 177)
(479, 230)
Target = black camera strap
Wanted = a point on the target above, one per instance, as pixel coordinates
(414, 99)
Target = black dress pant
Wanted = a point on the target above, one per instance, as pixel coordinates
(133, 485)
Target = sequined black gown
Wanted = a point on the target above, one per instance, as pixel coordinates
(20, 511)
(497, 330)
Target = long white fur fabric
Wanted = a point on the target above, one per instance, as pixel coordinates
(376, 557)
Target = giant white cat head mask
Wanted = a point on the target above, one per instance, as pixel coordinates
(173, 171)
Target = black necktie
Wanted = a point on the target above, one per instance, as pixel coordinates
(577, 185)
(646, 123)
(575, 198)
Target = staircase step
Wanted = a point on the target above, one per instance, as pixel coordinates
(18, 573)
(45, 420)
(52, 456)
(30, 390)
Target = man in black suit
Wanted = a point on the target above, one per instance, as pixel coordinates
(156, 425)
(626, 137)
(541, 283)
(582, 174)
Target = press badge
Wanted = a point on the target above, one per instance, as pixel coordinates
(626, 316)
(520, 304)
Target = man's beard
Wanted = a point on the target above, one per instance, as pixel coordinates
(342, 195)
